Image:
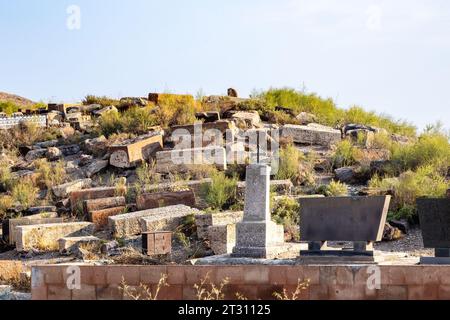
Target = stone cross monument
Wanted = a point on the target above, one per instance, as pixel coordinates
(257, 236)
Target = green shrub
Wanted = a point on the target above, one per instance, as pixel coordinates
(175, 110)
(286, 212)
(50, 174)
(430, 149)
(6, 180)
(103, 101)
(334, 189)
(326, 110)
(24, 193)
(346, 154)
(133, 121)
(221, 192)
(289, 166)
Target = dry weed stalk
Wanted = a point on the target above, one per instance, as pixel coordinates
(294, 295)
(206, 290)
(143, 292)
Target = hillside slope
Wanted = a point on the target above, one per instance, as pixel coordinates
(17, 100)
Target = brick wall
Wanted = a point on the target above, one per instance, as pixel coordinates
(254, 282)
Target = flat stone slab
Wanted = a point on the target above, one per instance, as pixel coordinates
(154, 200)
(181, 160)
(222, 238)
(72, 244)
(129, 224)
(64, 190)
(45, 237)
(312, 134)
(42, 218)
(169, 220)
(204, 221)
(77, 197)
(434, 261)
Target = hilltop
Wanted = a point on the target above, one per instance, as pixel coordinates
(17, 100)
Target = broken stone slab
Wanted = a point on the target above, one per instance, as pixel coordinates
(41, 209)
(166, 220)
(154, 200)
(77, 197)
(103, 203)
(312, 134)
(222, 238)
(202, 134)
(44, 237)
(9, 229)
(129, 224)
(181, 160)
(64, 190)
(135, 151)
(247, 119)
(35, 154)
(100, 217)
(69, 245)
(204, 221)
(198, 187)
(96, 166)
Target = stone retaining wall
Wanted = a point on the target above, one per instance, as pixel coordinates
(253, 282)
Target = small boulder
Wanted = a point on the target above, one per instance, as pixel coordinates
(391, 233)
(54, 154)
(402, 225)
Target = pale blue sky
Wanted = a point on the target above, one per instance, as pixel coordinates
(391, 56)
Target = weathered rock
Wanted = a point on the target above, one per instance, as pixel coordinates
(204, 221)
(64, 190)
(69, 245)
(312, 134)
(306, 118)
(45, 237)
(95, 167)
(41, 209)
(110, 248)
(70, 150)
(391, 233)
(362, 137)
(104, 111)
(346, 175)
(180, 160)
(154, 200)
(129, 224)
(35, 154)
(222, 238)
(9, 229)
(46, 144)
(402, 225)
(208, 117)
(232, 93)
(133, 152)
(53, 154)
(97, 146)
(77, 197)
(246, 120)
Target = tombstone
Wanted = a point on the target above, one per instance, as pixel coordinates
(257, 236)
(360, 220)
(434, 216)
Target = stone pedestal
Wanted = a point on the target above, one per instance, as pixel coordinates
(257, 236)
